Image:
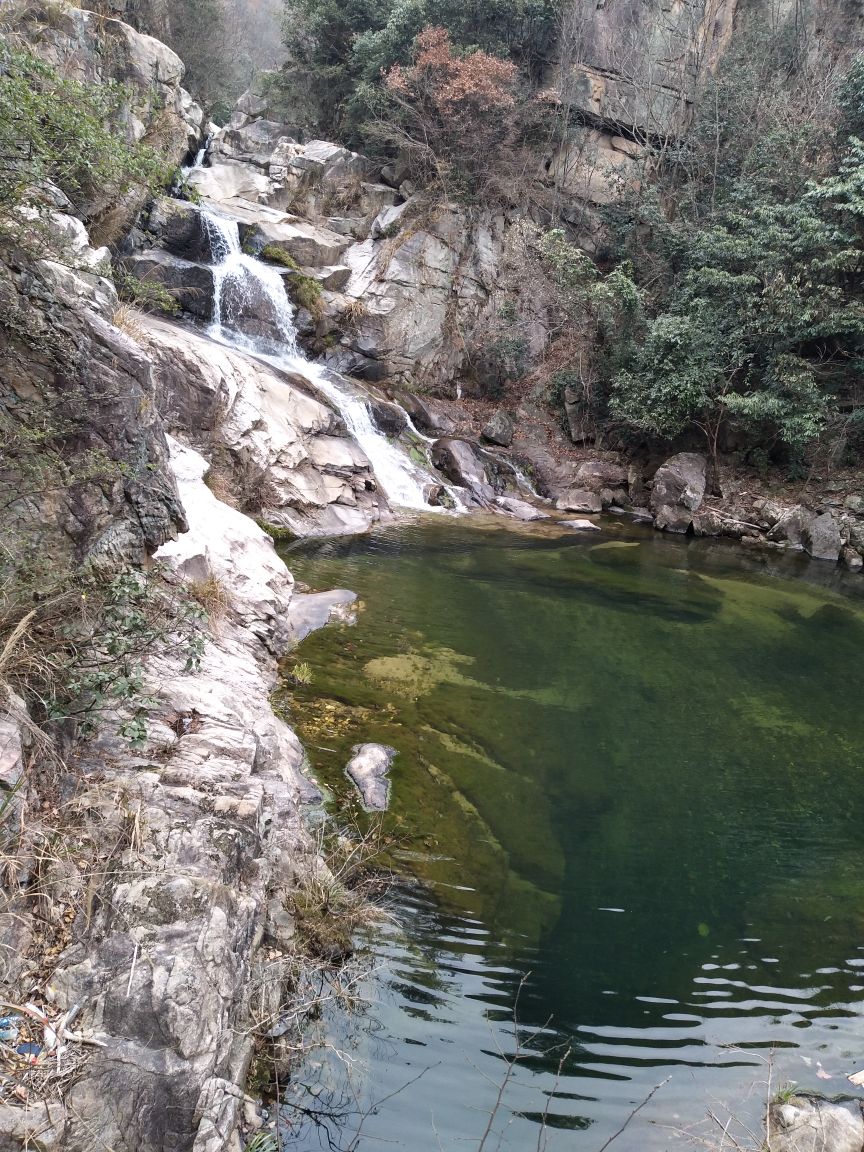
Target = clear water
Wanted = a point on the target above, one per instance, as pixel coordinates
(630, 778)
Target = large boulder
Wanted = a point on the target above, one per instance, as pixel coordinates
(307, 244)
(821, 538)
(579, 500)
(499, 430)
(178, 227)
(460, 463)
(600, 474)
(680, 481)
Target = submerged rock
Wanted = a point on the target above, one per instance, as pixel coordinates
(368, 769)
(580, 525)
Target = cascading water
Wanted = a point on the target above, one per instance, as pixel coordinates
(243, 287)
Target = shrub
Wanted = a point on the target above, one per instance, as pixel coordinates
(148, 295)
(58, 129)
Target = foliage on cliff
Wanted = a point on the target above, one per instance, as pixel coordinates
(56, 129)
(754, 314)
(344, 49)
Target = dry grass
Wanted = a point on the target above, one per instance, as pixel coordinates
(355, 313)
(127, 319)
(212, 595)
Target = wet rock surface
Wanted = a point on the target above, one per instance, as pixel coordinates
(367, 769)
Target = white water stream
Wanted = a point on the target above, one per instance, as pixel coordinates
(241, 281)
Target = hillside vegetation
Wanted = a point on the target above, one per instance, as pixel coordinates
(721, 300)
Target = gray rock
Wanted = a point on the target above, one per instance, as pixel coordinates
(804, 1125)
(580, 525)
(521, 509)
(821, 538)
(178, 227)
(424, 414)
(852, 559)
(854, 503)
(461, 464)
(599, 474)
(191, 285)
(367, 769)
(673, 518)
(579, 500)
(791, 525)
(680, 482)
(309, 244)
(388, 418)
(499, 430)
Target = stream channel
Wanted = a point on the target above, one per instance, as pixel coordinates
(629, 780)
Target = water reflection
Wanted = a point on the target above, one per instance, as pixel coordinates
(629, 777)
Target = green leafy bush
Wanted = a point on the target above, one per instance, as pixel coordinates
(58, 129)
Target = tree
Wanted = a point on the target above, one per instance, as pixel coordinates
(451, 113)
(342, 50)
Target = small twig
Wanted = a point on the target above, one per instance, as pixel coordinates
(638, 1108)
(132, 970)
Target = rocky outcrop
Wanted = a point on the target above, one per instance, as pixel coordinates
(166, 972)
(97, 50)
(274, 448)
(97, 489)
(442, 263)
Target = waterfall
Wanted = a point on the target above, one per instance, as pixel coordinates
(242, 284)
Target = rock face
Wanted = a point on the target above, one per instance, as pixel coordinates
(282, 453)
(168, 970)
(413, 285)
(367, 769)
(804, 1125)
(95, 387)
(95, 49)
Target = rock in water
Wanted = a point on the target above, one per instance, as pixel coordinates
(579, 500)
(804, 1125)
(499, 430)
(367, 769)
